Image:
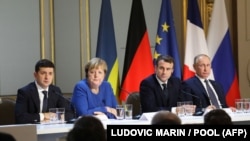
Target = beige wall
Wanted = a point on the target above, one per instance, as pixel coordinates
(243, 21)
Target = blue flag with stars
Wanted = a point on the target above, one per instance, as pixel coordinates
(166, 42)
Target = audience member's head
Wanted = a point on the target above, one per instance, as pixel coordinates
(87, 128)
(165, 118)
(217, 117)
(6, 137)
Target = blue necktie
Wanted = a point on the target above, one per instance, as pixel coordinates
(45, 101)
(212, 96)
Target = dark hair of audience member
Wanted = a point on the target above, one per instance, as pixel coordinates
(217, 117)
(6, 137)
(87, 128)
(165, 118)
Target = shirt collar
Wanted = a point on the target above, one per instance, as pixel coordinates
(39, 88)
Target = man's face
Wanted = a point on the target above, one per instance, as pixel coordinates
(164, 70)
(44, 76)
(203, 67)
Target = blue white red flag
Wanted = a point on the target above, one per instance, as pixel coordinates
(220, 51)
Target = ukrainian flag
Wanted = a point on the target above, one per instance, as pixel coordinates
(106, 45)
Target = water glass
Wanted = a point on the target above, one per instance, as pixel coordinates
(189, 108)
(246, 105)
(180, 110)
(120, 112)
(61, 115)
(128, 111)
(57, 115)
(239, 105)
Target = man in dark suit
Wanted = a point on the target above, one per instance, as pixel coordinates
(197, 86)
(30, 106)
(154, 97)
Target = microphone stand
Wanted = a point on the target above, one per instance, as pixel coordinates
(70, 106)
(199, 112)
(129, 93)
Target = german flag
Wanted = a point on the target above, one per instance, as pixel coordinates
(138, 62)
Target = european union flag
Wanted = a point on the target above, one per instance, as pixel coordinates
(166, 42)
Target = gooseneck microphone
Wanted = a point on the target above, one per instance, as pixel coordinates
(199, 112)
(135, 101)
(71, 106)
(126, 91)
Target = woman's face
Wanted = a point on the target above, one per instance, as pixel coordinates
(96, 76)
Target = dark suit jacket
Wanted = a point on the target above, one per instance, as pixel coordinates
(152, 97)
(194, 86)
(27, 107)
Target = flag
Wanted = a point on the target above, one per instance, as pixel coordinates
(220, 50)
(106, 45)
(166, 42)
(138, 62)
(195, 38)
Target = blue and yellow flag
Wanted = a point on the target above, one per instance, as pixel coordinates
(106, 45)
(166, 42)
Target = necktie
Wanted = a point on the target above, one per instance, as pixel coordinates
(165, 91)
(45, 101)
(212, 96)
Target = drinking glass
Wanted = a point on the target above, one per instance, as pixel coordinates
(189, 108)
(57, 115)
(128, 111)
(239, 105)
(120, 112)
(180, 110)
(246, 105)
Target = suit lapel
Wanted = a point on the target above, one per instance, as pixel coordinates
(201, 87)
(35, 96)
(159, 91)
(50, 98)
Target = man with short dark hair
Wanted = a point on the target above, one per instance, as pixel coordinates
(160, 90)
(34, 100)
(217, 117)
(165, 118)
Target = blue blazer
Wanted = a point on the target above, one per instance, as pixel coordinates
(194, 86)
(27, 106)
(152, 97)
(86, 103)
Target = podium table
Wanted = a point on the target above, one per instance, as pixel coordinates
(51, 132)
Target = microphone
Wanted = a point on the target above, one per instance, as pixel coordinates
(135, 101)
(123, 90)
(197, 113)
(128, 92)
(71, 106)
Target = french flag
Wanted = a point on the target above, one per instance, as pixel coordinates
(220, 51)
(195, 39)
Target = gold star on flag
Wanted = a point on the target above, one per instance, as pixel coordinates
(165, 27)
(158, 40)
(156, 55)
